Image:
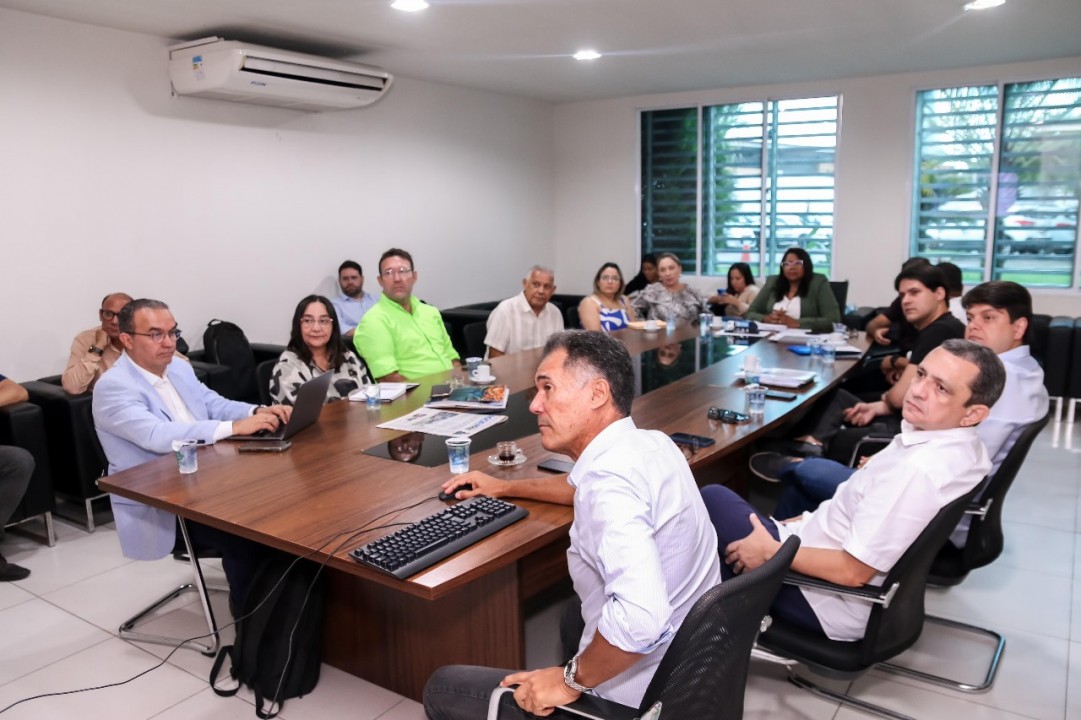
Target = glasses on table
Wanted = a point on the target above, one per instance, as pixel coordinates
(308, 321)
(397, 272)
(157, 336)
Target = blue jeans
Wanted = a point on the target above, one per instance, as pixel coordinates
(730, 515)
(807, 484)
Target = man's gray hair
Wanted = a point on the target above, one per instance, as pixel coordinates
(991, 376)
(126, 318)
(599, 354)
(541, 269)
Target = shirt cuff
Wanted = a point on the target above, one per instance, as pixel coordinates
(225, 429)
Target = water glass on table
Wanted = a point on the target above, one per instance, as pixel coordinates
(458, 454)
(185, 456)
(371, 395)
(756, 400)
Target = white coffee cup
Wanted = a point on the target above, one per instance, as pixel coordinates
(650, 325)
(483, 373)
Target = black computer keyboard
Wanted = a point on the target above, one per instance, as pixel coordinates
(426, 542)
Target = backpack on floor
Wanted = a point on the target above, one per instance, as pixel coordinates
(279, 635)
(226, 344)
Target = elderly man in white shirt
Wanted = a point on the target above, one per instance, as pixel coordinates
(526, 320)
(856, 537)
(642, 547)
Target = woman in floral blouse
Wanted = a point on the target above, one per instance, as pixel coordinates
(315, 347)
(670, 298)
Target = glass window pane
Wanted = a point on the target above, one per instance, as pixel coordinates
(800, 189)
(670, 183)
(955, 144)
(731, 185)
(1039, 183)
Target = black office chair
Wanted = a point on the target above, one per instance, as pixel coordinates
(982, 546)
(573, 322)
(894, 626)
(474, 334)
(840, 291)
(263, 371)
(23, 425)
(704, 671)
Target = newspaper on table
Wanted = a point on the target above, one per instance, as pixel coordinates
(434, 421)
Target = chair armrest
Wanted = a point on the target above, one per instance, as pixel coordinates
(979, 510)
(874, 594)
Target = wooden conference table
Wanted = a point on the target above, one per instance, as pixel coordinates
(468, 609)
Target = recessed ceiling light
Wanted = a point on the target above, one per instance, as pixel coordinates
(409, 5)
(586, 55)
(983, 4)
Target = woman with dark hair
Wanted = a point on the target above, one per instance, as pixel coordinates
(607, 308)
(740, 293)
(315, 347)
(647, 273)
(798, 297)
(670, 299)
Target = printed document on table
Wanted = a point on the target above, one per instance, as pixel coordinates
(443, 422)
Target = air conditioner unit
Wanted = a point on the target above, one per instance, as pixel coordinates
(236, 71)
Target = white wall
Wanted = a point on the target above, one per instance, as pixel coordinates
(597, 175)
(107, 182)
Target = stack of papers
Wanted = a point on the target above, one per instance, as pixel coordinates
(783, 377)
(443, 422)
(387, 392)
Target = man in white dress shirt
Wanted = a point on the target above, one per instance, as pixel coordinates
(642, 547)
(526, 320)
(856, 537)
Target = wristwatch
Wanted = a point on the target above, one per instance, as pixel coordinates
(569, 671)
(96, 350)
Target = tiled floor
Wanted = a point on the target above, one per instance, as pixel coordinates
(57, 630)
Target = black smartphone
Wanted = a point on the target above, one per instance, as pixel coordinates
(727, 416)
(276, 446)
(779, 395)
(695, 441)
(440, 391)
(556, 466)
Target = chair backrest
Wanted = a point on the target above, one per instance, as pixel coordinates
(226, 344)
(571, 319)
(984, 542)
(840, 291)
(263, 371)
(474, 334)
(704, 671)
(892, 630)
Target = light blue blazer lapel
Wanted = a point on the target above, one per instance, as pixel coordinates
(153, 400)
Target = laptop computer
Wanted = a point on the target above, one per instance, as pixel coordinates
(306, 409)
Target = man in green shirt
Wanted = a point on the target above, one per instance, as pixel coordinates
(401, 338)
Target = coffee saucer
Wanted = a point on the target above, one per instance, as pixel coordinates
(518, 460)
(489, 381)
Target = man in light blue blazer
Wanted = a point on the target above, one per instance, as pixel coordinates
(145, 402)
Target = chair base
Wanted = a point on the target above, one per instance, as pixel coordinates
(843, 698)
(87, 519)
(992, 669)
(799, 681)
(198, 585)
(48, 538)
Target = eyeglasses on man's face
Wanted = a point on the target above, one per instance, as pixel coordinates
(792, 263)
(308, 321)
(397, 272)
(107, 315)
(157, 336)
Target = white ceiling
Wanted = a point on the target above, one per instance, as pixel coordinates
(523, 47)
